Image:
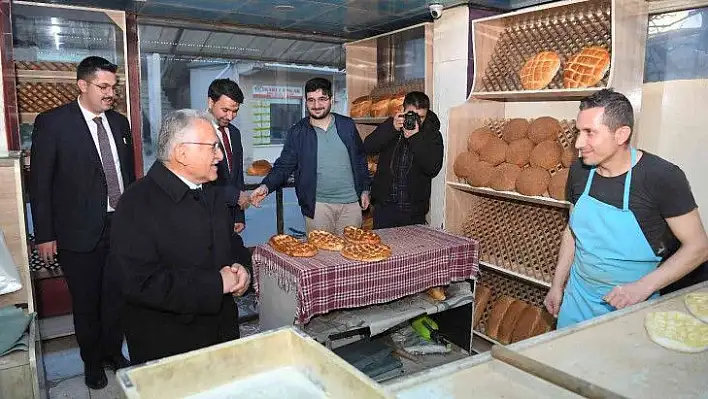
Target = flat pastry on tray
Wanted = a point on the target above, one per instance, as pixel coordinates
(677, 331)
(697, 304)
(366, 252)
(325, 240)
(290, 246)
(359, 236)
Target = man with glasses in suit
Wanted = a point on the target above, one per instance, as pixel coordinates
(82, 161)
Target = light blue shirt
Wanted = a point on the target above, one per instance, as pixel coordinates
(335, 178)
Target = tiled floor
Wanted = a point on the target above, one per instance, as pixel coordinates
(65, 373)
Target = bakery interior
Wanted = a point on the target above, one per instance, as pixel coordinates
(499, 202)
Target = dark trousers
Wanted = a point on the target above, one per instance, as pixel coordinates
(389, 215)
(96, 300)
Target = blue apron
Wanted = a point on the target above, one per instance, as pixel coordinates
(610, 250)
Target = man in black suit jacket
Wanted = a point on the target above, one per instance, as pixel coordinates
(225, 99)
(82, 160)
(172, 247)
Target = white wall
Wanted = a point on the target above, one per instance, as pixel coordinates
(673, 124)
(450, 48)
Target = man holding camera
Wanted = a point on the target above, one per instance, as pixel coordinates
(410, 149)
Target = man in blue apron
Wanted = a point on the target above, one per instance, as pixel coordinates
(632, 212)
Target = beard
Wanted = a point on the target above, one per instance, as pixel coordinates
(325, 111)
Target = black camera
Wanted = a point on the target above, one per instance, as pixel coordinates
(410, 119)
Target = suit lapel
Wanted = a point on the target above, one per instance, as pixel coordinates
(85, 135)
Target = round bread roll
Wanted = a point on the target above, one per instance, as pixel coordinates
(478, 138)
(494, 151)
(556, 188)
(546, 155)
(480, 174)
(515, 129)
(544, 128)
(519, 152)
(463, 164)
(539, 70)
(260, 167)
(586, 68)
(533, 181)
(504, 177)
(569, 155)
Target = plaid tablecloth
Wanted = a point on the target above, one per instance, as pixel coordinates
(422, 257)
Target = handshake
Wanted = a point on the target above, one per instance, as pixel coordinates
(258, 195)
(235, 279)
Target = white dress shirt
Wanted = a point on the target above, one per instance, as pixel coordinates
(93, 128)
(192, 186)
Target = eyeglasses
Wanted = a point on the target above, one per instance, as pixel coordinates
(214, 146)
(105, 88)
(319, 100)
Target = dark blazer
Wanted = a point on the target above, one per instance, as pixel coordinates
(232, 181)
(299, 156)
(168, 244)
(426, 147)
(67, 185)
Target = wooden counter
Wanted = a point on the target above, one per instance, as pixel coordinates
(615, 352)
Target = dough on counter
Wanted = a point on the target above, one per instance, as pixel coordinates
(697, 304)
(677, 331)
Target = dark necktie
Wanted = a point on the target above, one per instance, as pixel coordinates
(109, 164)
(227, 145)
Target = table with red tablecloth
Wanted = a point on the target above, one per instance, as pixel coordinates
(421, 257)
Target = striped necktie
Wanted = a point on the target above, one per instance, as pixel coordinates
(109, 164)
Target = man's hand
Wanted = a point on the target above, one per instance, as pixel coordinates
(229, 279)
(47, 251)
(409, 133)
(365, 201)
(553, 300)
(259, 195)
(627, 295)
(239, 227)
(398, 122)
(244, 279)
(244, 200)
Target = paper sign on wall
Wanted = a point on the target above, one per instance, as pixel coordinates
(268, 91)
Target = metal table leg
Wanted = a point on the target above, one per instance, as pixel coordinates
(279, 210)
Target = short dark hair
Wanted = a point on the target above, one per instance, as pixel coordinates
(417, 99)
(315, 84)
(225, 87)
(618, 109)
(90, 65)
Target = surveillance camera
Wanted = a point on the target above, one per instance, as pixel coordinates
(436, 10)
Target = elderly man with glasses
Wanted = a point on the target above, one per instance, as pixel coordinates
(326, 153)
(171, 244)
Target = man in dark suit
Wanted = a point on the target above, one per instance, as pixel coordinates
(224, 100)
(82, 160)
(172, 247)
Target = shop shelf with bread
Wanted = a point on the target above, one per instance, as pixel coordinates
(512, 142)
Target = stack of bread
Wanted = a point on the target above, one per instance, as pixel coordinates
(361, 107)
(583, 69)
(527, 158)
(512, 320)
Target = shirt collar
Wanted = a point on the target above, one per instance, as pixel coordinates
(88, 115)
(171, 183)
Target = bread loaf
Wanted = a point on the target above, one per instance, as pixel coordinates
(379, 108)
(395, 106)
(495, 318)
(260, 167)
(361, 107)
(482, 295)
(506, 329)
(539, 70)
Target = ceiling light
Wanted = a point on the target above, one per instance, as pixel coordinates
(284, 7)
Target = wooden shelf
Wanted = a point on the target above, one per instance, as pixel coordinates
(487, 338)
(515, 274)
(509, 194)
(537, 95)
(371, 120)
(54, 76)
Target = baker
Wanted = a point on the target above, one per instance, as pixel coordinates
(634, 225)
